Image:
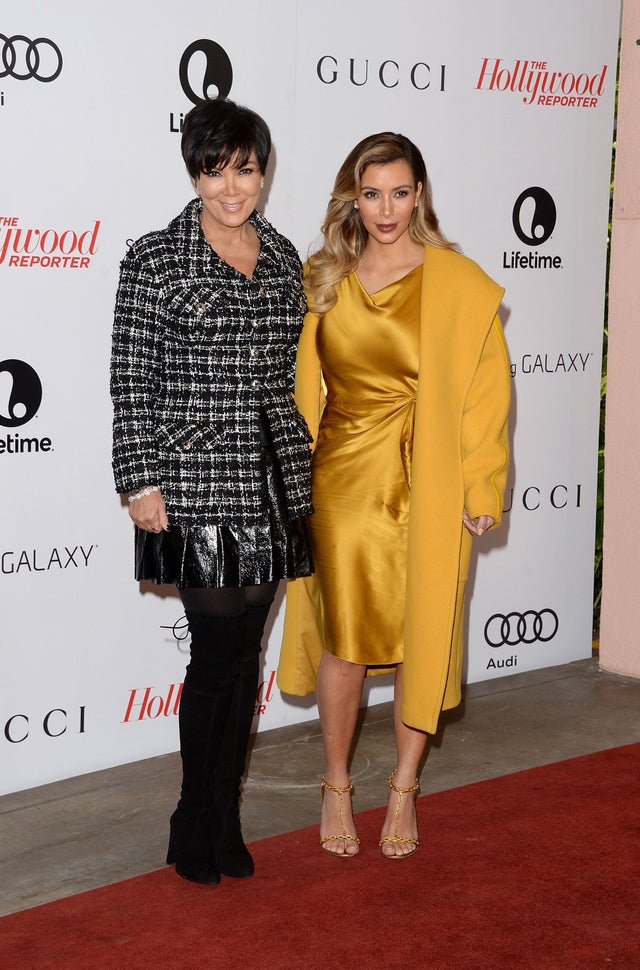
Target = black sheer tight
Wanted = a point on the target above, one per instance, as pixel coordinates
(227, 600)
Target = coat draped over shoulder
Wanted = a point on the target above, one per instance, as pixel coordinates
(460, 461)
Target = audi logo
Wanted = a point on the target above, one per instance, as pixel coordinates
(508, 630)
(23, 58)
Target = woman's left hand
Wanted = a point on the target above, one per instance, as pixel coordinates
(478, 525)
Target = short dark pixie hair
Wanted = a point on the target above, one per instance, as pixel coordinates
(219, 131)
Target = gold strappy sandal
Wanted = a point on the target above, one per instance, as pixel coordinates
(400, 792)
(343, 837)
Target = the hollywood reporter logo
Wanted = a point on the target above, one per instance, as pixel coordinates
(149, 703)
(205, 73)
(49, 248)
(538, 83)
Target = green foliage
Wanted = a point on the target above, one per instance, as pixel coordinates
(598, 555)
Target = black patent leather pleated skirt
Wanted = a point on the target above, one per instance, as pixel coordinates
(206, 556)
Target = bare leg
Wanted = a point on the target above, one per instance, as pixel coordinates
(339, 693)
(410, 745)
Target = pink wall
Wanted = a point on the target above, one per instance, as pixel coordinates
(620, 617)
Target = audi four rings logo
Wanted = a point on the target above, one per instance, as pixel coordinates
(534, 216)
(216, 78)
(23, 58)
(508, 630)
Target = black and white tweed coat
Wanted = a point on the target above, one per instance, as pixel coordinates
(198, 351)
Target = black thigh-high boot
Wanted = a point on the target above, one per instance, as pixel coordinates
(209, 684)
(232, 856)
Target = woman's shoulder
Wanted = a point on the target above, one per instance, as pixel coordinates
(269, 234)
(162, 243)
(461, 268)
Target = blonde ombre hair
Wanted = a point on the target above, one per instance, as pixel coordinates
(344, 234)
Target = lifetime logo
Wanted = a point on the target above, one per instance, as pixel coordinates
(20, 398)
(534, 219)
(25, 59)
(199, 85)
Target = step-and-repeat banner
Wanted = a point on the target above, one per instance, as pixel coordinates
(512, 105)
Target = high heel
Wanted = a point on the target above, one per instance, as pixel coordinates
(232, 856)
(190, 849)
(343, 837)
(394, 837)
(212, 673)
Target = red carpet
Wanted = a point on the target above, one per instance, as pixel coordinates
(539, 869)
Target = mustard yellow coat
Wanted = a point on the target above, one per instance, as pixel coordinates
(460, 460)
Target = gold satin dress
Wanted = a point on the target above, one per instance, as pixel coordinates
(368, 346)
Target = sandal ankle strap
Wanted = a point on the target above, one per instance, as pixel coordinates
(401, 791)
(338, 791)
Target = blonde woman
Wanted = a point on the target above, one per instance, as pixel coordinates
(403, 377)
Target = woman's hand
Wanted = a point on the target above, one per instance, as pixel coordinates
(478, 525)
(149, 513)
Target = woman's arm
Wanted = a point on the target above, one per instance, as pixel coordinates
(135, 376)
(485, 445)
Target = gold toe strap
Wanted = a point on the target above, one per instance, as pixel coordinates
(394, 837)
(343, 837)
(340, 838)
(397, 838)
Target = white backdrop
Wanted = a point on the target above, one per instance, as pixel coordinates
(512, 105)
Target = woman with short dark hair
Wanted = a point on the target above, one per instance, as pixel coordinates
(213, 453)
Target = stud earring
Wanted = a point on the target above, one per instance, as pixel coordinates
(355, 205)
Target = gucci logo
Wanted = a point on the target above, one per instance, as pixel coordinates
(39, 59)
(508, 630)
